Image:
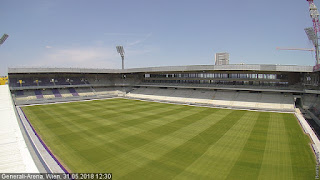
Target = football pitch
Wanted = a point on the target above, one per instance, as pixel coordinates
(147, 140)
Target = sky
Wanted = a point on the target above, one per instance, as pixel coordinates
(85, 33)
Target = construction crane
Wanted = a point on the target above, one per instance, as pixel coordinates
(312, 32)
(295, 49)
(314, 14)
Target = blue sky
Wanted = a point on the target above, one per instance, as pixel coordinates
(83, 33)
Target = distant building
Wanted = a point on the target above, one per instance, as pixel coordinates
(222, 58)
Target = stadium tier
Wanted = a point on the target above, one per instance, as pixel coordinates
(255, 87)
(269, 87)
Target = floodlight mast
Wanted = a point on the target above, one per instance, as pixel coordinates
(3, 38)
(314, 14)
(121, 52)
(312, 36)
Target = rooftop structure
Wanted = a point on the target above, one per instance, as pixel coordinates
(222, 58)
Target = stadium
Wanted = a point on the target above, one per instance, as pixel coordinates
(167, 121)
(221, 121)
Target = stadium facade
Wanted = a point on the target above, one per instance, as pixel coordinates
(292, 77)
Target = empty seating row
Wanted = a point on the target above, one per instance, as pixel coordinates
(38, 94)
(228, 99)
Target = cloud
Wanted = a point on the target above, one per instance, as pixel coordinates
(96, 55)
(140, 40)
(129, 39)
(122, 34)
(82, 57)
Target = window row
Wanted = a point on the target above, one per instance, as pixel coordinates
(260, 83)
(217, 75)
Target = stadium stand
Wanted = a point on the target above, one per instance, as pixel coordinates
(85, 92)
(47, 94)
(19, 93)
(315, 108)
(269, 87)
(56, 93)
(28, 82)
(38, 93)
(76, 81)
(309, 100)
(73, 92)
(65, 93)
(14, 82)
(27, 95)
(45, 82)
(106, 91)
(61, 81)
(242, 100)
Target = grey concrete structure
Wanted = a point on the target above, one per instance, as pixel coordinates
(230, 67)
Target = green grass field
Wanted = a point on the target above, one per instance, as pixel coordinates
(147, 140)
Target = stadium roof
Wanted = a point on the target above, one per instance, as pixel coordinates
(231, 67)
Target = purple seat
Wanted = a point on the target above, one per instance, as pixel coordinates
(56, 93)
(38, 94)
(73, 92)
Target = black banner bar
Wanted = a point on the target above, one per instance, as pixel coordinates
(56, 176)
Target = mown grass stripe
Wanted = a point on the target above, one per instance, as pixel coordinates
(302, 158)
(251, 156)
(105, 113)
(121, 146)
(58, 147)
(84, 135)
(79, 117)
(138, 157)
(276, 162)
(135, 141)
(221, 156)
(172, 164)
(118, 126)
